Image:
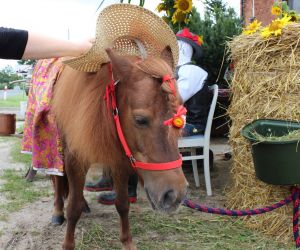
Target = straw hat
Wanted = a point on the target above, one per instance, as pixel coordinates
(129, 30)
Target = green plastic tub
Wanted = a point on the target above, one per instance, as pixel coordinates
(276, 160)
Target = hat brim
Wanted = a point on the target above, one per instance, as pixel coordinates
(198, 51)
(118, 26)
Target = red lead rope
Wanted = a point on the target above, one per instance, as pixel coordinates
(110, 97)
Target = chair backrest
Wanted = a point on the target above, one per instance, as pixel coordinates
(211, 112)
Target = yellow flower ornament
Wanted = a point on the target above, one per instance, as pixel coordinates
(276, 10)
(161, 7)
(178, 122)
(184, 6)
(179, 17)
(252, 28)
(275, 28)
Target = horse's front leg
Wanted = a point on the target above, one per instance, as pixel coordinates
(76, 203)
(60, 184)
(122, 206)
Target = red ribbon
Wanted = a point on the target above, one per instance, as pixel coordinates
(187, 34)
(170, 80)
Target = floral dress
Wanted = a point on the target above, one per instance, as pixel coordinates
(41, 136)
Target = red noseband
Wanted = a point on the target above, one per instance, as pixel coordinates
(110, 97)
(158, 166)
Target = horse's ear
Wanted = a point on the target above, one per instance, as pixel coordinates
(167, 56)
(121, 65)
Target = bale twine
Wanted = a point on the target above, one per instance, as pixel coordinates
(266, 84)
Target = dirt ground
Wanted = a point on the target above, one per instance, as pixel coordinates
(30, 227)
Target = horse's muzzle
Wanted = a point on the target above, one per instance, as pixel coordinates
(166, 202)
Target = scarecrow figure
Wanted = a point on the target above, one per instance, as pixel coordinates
(191, 81)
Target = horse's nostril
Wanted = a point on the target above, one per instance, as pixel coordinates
(169, 198)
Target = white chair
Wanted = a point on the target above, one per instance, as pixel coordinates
(190, 143)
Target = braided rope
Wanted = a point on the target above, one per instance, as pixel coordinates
(296, 217)
(295, 197)
(246, 212)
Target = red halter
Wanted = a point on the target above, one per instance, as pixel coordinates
(110, 97)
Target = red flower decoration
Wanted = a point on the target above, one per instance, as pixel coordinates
(177, 120)
(185, 33)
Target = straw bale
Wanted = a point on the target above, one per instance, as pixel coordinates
(266, 84)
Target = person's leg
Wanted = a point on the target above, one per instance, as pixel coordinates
(132, 185)
(109, 198)
(104, 184)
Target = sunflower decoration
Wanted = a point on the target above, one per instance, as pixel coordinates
(276, 11)
(184, 6)
(281, 9)
(179, 17)
(294, 16)
(177, 12)
(252, 27)
(276, 26)
(161, 7)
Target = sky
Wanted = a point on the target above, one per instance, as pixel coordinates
(67, 19)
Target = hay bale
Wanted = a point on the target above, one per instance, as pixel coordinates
(266, 84)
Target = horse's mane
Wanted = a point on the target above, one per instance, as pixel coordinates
(158, 68)
(80, 110)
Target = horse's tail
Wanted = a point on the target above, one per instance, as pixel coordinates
(64, 189)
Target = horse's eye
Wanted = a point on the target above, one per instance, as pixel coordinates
(141, 121)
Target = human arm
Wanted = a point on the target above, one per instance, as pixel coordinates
(12, 43)
(190, 80)
(22, 44)
(40, 47)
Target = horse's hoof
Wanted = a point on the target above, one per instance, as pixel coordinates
(68, 246)
(86, 209)
(57, 220)
(129, 248)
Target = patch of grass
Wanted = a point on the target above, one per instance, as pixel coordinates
(13, 101)
(20, 128)
(16, 154)
(18, 191)
(3, 217)
(98, 237)
(185, 230)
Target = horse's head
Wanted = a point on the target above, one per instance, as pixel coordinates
(144, 102)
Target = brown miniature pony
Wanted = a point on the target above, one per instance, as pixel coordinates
(90, 135)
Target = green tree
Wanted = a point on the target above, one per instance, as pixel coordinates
(27, 62)
(8, 75)
(212, 6)
(218, 26)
